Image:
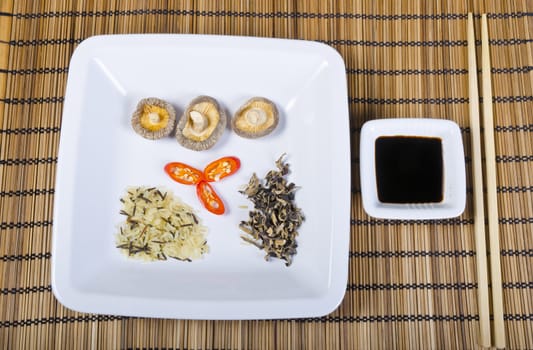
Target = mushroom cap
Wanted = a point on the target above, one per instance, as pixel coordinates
(202, 124)
(153, 118)
(255, 118)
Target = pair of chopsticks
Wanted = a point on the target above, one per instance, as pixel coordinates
(492, 205)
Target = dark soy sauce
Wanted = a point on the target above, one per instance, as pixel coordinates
(409, 169)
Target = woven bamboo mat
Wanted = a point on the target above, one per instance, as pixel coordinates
(411, 284)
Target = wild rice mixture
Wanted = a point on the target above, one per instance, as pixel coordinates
(159, 226)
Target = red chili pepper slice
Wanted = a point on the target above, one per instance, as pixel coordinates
(220, 168)
(209, 198)
(184, 173)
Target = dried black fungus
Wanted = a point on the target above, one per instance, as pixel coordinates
(273, 223)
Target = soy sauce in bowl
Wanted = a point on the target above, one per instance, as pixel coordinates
(409, 169)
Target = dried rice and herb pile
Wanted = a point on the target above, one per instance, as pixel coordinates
(159, 226)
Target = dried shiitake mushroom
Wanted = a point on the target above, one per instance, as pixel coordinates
(202, 124)
(257, 117)
(153, 118)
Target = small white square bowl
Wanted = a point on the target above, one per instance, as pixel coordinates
(454, 175)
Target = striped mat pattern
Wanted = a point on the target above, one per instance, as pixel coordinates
(412, 284)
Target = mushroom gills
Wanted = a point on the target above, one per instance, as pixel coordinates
(202, 120)
(202, 124)
(257, 117)
(153, 118)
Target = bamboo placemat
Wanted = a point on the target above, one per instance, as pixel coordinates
(411, 284)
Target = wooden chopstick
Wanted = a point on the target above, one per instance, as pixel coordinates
(492, 203)
(479, 214)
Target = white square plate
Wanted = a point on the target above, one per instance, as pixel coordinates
(100, 155)
(454, 174)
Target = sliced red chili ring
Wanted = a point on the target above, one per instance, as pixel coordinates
(209, 198)
(184, 173)
(221, 168)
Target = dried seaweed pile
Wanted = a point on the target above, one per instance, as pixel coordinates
(273, 224)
